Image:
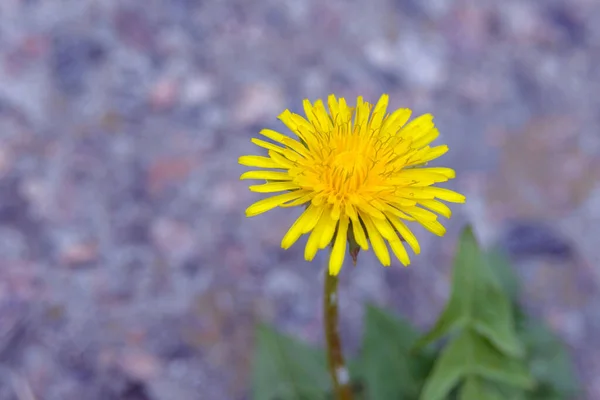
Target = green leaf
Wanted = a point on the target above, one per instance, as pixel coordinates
(493, 318)
(287, 369)
(476, 300)
(469, 354)
(389, 370)
(549, 361)
(500, 265)
(475, 389)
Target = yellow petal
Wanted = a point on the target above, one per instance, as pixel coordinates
(312, 245)
(421, 214)
(267, 145)
(345, 111)
(437, 206)
(363, 205)
(336, 260)
(334, 108)
(447, 172)
(286, 118)
(393, 123)
(282, 161)
(379, 112)
(319, 199)
(378, 205)
(312, 218)
(313, 113)
(302, 124)
(446, 194)
(269, 175)
(328, 229)
(272, 187)
(269, 203)
(258, 161)
(359, 235)
(434, 153)
(322, 116)
(434, 227)
(406, 234)
(336, 211)
(400, 252)
(428, 154)
(351, 211)
(419, 126)
(308, 196)
(432, 175)
(362, 115)
(379, 247)
(426, 139)
(273, 135)
(287, 141)
(298, 228)
(386, 230)
(296, 124)
(414, 193)
(394, 211)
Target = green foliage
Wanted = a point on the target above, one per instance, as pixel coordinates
(500, 265)
(547, 357)
(469, 356)
(285, 368)
(477, 301)
(492, 350)
(388, 368)
(548, 361)
(476, 389)
(484, 342)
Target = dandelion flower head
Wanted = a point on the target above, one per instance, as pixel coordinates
(359, 172)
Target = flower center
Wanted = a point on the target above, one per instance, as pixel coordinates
(349, 161)
(349, 172)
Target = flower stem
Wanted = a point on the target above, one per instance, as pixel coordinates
(337, 367)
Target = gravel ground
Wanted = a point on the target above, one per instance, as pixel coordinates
(127, 267)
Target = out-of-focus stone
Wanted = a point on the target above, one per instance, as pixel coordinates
(283, 282)
(164, 94)
(37, 194)
(197, 90)
(134, 28)
(258, 102)
(423, 61)
(532, 180)
(382, 54)
(173, 237)
(225, 196)
(570, 324)
(167, 171)
(521, 20)
(140, 364)
(79, 254)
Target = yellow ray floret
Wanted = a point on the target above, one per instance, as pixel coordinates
(359, 172)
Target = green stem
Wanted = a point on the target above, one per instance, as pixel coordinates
(337, 367)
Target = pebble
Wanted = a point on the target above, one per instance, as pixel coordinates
(197, 90)
(140, 365)
(164, 94)
(79, 254)
(284, 282)
(257, 102)
(172, 237)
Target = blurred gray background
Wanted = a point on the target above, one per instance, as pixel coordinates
(127, 267)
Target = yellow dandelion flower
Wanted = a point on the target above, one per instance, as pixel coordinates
(359, 174)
